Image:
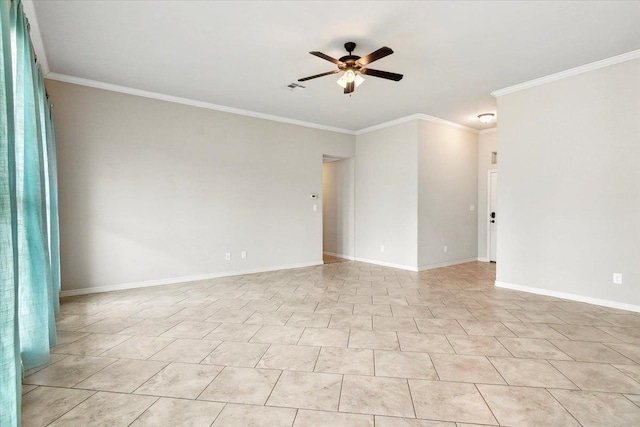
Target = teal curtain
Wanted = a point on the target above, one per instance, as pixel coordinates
(9, 339)
(29, 218)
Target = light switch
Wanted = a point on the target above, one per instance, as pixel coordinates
(315, 207)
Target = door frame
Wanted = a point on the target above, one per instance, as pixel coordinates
(489, 172)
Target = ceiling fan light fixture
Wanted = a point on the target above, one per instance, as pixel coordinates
(357, 79)
(349, 76)
(486, 117)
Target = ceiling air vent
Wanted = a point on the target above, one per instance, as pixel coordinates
(295, 87)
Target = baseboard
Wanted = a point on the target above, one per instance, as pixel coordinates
(484, 259)
(386, 264)
(174, 280)
(572, 297)
(349, 257)
(446, 264)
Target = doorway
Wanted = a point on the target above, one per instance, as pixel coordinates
(492, 229)
(337, 209)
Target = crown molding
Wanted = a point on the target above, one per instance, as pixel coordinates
(201, 104)
(634, 54)
(36, 37)
(193, 103)
(417, 116)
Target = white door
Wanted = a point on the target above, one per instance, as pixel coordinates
(493, 216)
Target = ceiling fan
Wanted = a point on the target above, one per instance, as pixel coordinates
(353, 66)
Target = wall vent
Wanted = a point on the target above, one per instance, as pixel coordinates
(295, 86)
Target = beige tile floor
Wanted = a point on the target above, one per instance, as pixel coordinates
(342, 344)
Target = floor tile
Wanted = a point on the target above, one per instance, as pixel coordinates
(493, 329)
(531, 373)
(430, 343)
(345, 361)
(308, 418)
(45, 404)
(66, 337)
(372, 310)
(477, 345)
(242, 385)
(233, 332)
(385, 323)
(409, 422)
(439, 326)
(138, 347)
(451, 313)
(470, 369)
(181, 380)
(254, 416)
(323, 337)
(91, 345)
(192, 330)
(524, 406)
(110, 325)
(107, 409)
(534, 330)
(122, 376)
(632, 371)
(401, 364)
(309, 320)
(187, 351)
(585, 351)
(150, 327)
(599, 409)
(237, 354)
(376, 395)
(597, 377)
(348, 321)
(381, 340)
(278, 335)
(439, 400)
(69, 371)
(307, 390)
(533, 348)
(290, 357)
(166, 412)
(631, 351)
(334, 308)
(411, 311)
(230, 316)
(584, 333)
(273, 319)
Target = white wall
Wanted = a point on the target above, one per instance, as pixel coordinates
(569, 185)
(155, 190)
(338, 213)
(386, 195)
(487, 144)
(448, 186)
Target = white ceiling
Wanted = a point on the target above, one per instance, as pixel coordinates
(242, 54)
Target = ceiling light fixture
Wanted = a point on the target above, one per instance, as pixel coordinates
(486, 117)
(348, 77)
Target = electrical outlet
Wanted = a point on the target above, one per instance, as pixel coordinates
(243, 254)
(227, 256)
(472, 207)
(381, 248)
(446, 248)
(617, 278)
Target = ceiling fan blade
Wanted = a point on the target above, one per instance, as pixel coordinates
(350, 87)
(318, 75)
(374, 56)
(382, 74)
(327, 57)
